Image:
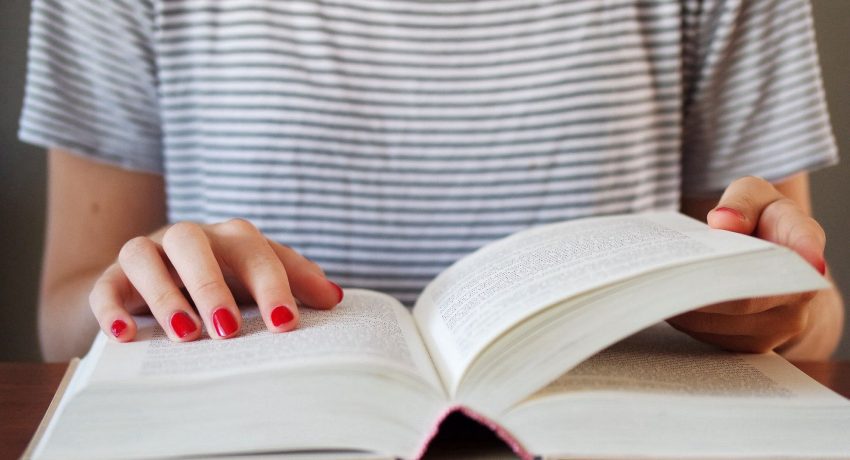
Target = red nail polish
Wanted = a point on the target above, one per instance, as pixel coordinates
(338, 291)
(821, 267)
(182, 324)
(738, 214)
(118, 327)
(224, 322)
(281, 315)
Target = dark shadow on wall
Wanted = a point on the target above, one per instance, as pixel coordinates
(22, 194)
(831, 187)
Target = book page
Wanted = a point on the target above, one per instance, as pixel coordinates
(662, 394)
(356, 378)
(663, 361)
(474, 301)
(366, 327)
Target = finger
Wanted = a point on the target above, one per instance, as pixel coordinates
(188, 248)
(307, 279)
(738, 343)
(783, 321)
(288, 255)
(752, 205)
(741, 205)
(141, 260)
(756, 304)
(107, 299)
(784, 222)
(245, 250)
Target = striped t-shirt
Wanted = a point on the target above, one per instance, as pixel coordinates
(384, 139)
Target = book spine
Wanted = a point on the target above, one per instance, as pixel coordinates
(499, 430)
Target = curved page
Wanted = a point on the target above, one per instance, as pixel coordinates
(481, 296)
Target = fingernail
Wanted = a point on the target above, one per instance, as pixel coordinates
(821, 267)
(224, 322)
(738, 214)
(182, 324)
(118, 327)
(338, 291)
(281, 315)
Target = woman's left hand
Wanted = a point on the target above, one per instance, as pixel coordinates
(755, 207)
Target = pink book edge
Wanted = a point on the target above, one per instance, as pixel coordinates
(500, 431)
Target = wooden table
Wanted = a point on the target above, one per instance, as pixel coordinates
(27, 388)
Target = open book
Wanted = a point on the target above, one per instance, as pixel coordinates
(552, 337)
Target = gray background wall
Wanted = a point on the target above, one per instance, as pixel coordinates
(22, 176)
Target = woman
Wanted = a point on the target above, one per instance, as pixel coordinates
(385, 139)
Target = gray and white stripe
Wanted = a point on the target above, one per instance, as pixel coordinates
(385, 139)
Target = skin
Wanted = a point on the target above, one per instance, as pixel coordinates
(95, 261)
(804, 326)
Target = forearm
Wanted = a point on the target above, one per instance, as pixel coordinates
(66, 325)
(92, 210)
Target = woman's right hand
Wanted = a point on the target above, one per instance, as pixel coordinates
(215, 265)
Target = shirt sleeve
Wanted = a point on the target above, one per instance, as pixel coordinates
(91, 82)
(754, 101)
